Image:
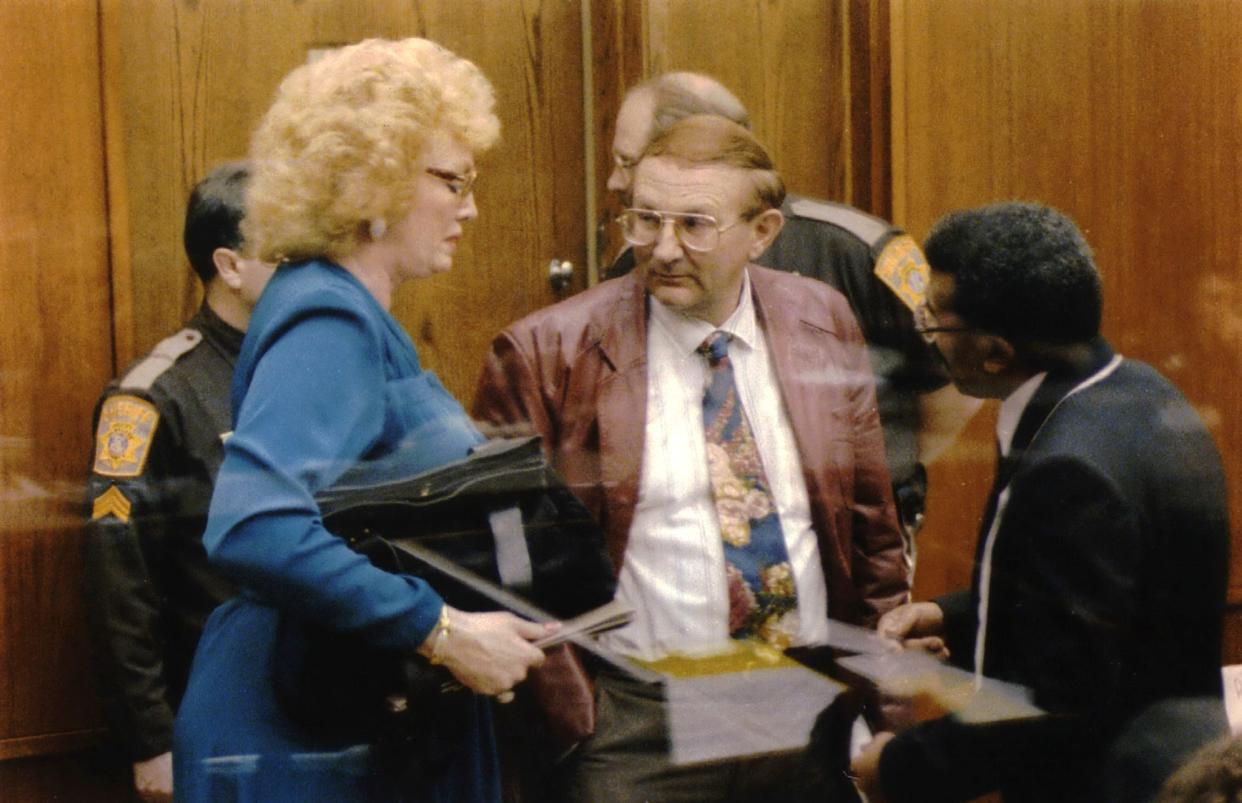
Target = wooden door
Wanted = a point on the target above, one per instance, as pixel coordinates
(54, 342)
(804, 70)
(187, 80)
(1125, 115)
(183, 83)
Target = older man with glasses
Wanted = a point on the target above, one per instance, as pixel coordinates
(874, 264)
(720, 418)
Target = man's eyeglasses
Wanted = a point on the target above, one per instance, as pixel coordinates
(642, 227)
(925, 323)
(460, 183)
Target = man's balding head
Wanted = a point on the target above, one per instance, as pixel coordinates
(654, 105)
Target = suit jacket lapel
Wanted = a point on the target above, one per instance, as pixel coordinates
(622, 407)
(1055, 387)
(800, 364)
(803, 371)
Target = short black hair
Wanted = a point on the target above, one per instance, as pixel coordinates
(213, 216)
(1021, 270)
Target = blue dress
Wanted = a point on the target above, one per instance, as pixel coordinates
(325, 377)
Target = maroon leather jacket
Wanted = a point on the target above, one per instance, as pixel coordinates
(577, 373)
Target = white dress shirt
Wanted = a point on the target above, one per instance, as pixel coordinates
(1007, 419)
(1011, 411)
(673, 574)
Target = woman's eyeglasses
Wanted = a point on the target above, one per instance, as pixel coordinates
(460, 183)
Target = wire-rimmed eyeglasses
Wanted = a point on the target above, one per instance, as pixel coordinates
(460, 183)
(926, 324)
(642, 227)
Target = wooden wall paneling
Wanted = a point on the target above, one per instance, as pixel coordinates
(813, 75)
(55, 352)
(186, 82)
(192, 78)
(1112, 111)
(168, 82)
(531, 193)
(618, 58)
(784, 60)
(868, 65)
(957, 489)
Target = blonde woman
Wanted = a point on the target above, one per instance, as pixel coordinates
(363, 176)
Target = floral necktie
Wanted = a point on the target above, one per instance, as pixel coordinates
(762, 598)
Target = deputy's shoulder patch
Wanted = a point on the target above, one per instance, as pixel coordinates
(111, 502)
(123, 438)
(903, 268)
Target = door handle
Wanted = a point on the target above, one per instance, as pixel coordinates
(560, 274)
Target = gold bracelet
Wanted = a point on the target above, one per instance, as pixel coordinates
(441, 633)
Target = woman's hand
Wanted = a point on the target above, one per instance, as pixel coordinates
(489, 653)
(918, 626)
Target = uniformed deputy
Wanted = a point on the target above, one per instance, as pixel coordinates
(158, 445)
(877, 267)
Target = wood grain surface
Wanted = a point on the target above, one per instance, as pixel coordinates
(1125, 115)
(55, 356)
(188, 81)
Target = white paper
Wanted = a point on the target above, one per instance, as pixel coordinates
(731, 714)
(906, 674)
(1232, 675)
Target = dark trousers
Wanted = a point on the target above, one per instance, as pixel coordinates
(627, 760)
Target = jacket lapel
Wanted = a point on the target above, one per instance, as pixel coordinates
(1055, 387)
(797, 350)
(810, 386)
(621, 338)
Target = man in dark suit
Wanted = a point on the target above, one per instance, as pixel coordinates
(1100, 573)
(614, 381)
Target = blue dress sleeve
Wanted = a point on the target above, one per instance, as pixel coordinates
(315, 404)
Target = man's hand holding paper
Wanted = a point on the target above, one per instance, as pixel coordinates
(917, 626)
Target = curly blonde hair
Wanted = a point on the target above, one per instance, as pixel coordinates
(341, 143)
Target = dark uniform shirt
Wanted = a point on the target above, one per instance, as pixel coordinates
(148, 584)
(882, 273)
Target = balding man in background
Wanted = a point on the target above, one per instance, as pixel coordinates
(878, 268)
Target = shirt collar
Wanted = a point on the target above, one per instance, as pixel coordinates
(689, 332)
(1011, 410)
(222, 335)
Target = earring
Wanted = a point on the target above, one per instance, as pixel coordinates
(378, 227)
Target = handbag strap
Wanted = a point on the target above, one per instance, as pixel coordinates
(512, 554)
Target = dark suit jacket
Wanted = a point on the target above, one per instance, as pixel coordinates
(1107, 591)
(577, 372)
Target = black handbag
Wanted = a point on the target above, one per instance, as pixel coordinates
(502, 514)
